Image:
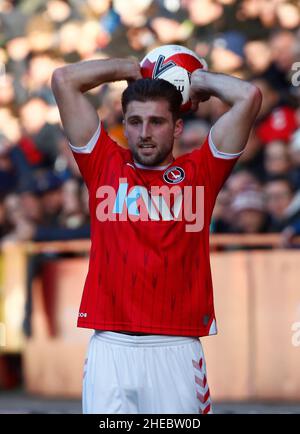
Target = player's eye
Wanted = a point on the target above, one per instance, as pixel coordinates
(157, 121)
(134, 121)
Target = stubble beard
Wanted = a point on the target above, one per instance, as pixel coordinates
(151, 160)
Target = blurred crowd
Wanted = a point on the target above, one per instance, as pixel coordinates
(42, 196)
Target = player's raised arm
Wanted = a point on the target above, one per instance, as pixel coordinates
(69, 83)
(231, 131)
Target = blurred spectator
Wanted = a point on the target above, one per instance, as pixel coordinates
(282, 43)
(288, 15)
(37, 78)
(277, 120)
(111, 108)
(15, 172)
(15, 42)
(32, 206)
(252, 159)
(267, 13)
(194, 134)
(39, 140)
(12, 20)
(222, 213)
(58, 11)
(258, 56)
(203, 12)
(171, 27)
(142, 38)
(249, 213)
(40, 33)
(68, 36)
(283, 50)
(49, 188)
(227, 54)
(276, 159)
(95, 9)
(282, 203)
(87, 44)
(241, 181)
(73, 215)
(133, 13)
(19, 228)
(7, 94)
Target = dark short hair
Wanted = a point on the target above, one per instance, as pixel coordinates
(147, 89)
(282, 178)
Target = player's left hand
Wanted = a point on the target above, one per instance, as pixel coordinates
(198, 91)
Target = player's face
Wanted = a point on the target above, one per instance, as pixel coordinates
(150, 130)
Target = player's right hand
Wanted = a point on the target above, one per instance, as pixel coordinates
(134, 70)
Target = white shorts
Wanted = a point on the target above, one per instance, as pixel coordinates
(145, 374)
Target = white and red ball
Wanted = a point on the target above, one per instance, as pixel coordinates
(173, 63)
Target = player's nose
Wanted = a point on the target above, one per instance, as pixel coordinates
(145, 130)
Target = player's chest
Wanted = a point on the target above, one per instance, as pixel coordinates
(155, 195)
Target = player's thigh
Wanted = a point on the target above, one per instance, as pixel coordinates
(101, 391)
(177, 380)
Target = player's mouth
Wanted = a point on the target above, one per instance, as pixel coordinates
(146, 145)
(146, 148)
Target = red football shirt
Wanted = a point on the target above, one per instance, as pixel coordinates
(149, 268)
(278, 125)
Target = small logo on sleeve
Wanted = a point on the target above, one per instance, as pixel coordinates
(82, 315)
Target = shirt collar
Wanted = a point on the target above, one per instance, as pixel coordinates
(141, 166)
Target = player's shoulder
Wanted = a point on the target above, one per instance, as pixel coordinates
(100, 141)
(209, 149)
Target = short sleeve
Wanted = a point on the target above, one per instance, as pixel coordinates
(213, 166)
(92, 157)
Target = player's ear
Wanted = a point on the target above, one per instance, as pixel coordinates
(178, 128)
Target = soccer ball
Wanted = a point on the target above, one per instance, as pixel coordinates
(175, 64)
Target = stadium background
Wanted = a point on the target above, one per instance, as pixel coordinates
(43, 199)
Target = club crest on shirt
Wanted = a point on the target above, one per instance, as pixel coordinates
(174, 175)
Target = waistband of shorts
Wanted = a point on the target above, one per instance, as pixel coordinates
(143, 340)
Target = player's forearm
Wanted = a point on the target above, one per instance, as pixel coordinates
(86, 75)
(229, 89)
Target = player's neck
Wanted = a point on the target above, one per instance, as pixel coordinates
(158, 167)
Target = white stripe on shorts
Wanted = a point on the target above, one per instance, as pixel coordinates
(145, 374)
